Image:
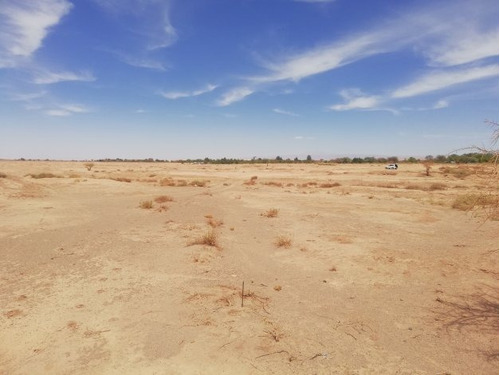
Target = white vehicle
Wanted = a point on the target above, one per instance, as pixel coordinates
(391, 166)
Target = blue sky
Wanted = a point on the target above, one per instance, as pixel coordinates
(169, 79)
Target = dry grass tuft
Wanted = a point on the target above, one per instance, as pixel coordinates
(88, 166)
(252, 181)
(475, 202)
(121, 179)
(164, 198)
(214, 223)
(283, 241)
(329, 184)
(209, 239)
(437, 186)
(167, 182)
(43, 175)
(272, 212)
(274, 183)
(146, 205)
(199, 183)
(3, 175)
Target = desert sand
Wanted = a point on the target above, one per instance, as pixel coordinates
(137, 268)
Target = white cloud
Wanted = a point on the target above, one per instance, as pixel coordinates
(151, 20)
(25, 25)
(46, 77)
(324, 58)
(28, 97)
(464, 46)
(442, 79)
(145, 62)
(62, 110)
(177, 95)
(283, 112)
(234, 95)
(356, 99)
(440, 33)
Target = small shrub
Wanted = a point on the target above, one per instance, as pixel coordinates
(461, 172)
(181, 183)
(214, 223)
(210, 239)
(329, 185)
(252, 181)
(121, 179)
(163, 199)
(272, 212)
(43, 175)
(283, 241)
(273, 183)
(470, 202)
(198, 183)
(146, 205)
(89, 166)
(3, 175)
(437, 186)
(167, 182)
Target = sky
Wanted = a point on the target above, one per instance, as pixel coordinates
(176, 79)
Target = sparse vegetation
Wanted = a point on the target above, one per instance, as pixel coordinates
(428, 166)
(164, 199)
(272, 212)
(121, 179)
(146, 205)
(43, 175)
(89, 166)
(199, 183)
(283, 241)
(252, 181)
(273, 183)
(329, 184)
(210, 238)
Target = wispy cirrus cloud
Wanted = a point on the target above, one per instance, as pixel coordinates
(150, 18)
(186, 94)
(24, 26)
(430, 82)
(283, 112)
(62, 110)
(47, 78)
(234, 95)
(356, 99)
(436, 32)
(438, 80)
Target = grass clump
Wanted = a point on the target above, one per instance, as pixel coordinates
(164, 199)
(272, 212)
(329, 184)
(121, 179)
(43, 175)
(283, 241)
(198, 183)
(274, 183)
(472, 202)
(167, 182)
(210, 238)
(252, 181)
(147, 205)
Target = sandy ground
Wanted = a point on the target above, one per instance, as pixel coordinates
(380, 276)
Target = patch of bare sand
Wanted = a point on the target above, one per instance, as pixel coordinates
(381, 275)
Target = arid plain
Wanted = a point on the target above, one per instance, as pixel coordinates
(137, 268)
